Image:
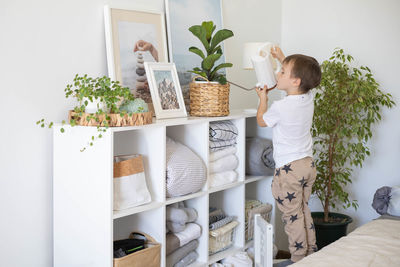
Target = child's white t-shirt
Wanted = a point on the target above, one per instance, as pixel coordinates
(291, 120)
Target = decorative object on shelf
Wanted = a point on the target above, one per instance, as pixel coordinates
(150, 256)
(180, 16)
(210, 95)
(259, 156)
(165, 90)
(186, 171)
(106, 95)
(132, 38)
(130, 188)
(347, 103)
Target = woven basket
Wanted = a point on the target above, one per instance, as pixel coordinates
(208, 99)
(221, 238)
(115, 119)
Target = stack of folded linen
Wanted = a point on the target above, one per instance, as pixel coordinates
(252, 208)
(259, 156)
(219, 224)
(223, 160)
(181, 239)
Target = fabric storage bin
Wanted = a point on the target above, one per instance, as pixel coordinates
(130, 188)
(149, 257)
(221, 238)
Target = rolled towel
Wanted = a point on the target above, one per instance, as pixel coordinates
(259, 156)
(228, 163)
(188, 259)
(181, 252)
(222, 153)
(192, 231)
(221, 178)
(218, 145)
(172, 243)
(176, 215)
(175, 227)
(221, 223)
(381, 199)
(216, 216)
(191, 214)
(222, 131)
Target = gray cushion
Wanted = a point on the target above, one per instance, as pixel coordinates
(259, 156)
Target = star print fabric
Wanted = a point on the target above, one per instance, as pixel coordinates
(291, 189)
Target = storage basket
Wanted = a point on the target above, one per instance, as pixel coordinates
(114, 120)
(222, 238)
(149, 256)
(254, 207)
(209, 99)
(130, 188)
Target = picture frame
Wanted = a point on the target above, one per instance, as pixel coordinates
(165, 90)
(132, 38)
(180, 15)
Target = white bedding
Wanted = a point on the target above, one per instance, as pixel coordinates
(376, 243)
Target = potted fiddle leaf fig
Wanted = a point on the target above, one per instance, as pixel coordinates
(209, 92)
(348, 102)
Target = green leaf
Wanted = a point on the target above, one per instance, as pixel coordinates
(209, 27)
(220, 36)
(200, 33)
(209, 61)
(220, 66)
(62, 130)
(197, 51)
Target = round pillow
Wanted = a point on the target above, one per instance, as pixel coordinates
(186, 171)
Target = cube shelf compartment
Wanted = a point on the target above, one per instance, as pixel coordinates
(85, 224)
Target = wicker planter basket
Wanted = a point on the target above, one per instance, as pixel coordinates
(209, 99)
(115, 119)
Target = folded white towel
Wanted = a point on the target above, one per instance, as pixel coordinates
(192, 231)
(228, 163)
(220, 178)
(222, 153)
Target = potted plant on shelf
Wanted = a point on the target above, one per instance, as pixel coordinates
(102, 103)
(209, 91)
(347, 103)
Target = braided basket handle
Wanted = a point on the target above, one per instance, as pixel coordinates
(201, 77)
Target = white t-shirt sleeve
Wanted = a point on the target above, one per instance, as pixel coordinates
(271, 117)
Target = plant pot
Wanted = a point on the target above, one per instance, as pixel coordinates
(209, 99)
(93, 107)
(327, 233)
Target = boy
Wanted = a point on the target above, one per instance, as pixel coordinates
(291, 119)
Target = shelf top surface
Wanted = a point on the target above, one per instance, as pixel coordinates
(234, 114)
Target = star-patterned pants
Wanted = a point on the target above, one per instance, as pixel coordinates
(291, 189)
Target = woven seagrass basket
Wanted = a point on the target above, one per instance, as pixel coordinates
(209, 99)
(115, 120)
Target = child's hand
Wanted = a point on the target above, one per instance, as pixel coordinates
(277, 53)
(262, 93)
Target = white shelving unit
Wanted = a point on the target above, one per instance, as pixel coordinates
(85, 224)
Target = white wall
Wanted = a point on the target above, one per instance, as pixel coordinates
(368, 30)
(43, 44)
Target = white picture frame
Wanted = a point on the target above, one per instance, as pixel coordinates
(124, 28)
(165, 90)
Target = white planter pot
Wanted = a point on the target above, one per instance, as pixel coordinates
(93, 107)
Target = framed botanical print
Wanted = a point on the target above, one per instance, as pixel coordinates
(165, 90)
(132, 38)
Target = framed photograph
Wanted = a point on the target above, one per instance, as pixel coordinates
(181, 15)
(132, 38)
(165, 90)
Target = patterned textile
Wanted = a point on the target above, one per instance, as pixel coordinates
(222, 131)
(219, 145)
(221, 223)
(186, 172)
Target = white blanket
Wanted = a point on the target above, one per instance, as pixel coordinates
(222, 153)
(217, 179)
(376, 243)
(228, 163)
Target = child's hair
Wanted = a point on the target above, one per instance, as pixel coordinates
(307, 69)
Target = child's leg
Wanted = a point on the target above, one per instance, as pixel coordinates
(309, 224)
(287, 189)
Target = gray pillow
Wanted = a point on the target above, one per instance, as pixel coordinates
(186, 171)
(381, 199)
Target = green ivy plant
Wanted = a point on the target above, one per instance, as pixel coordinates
(86, 89)
(348, 103)
(212, 51)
